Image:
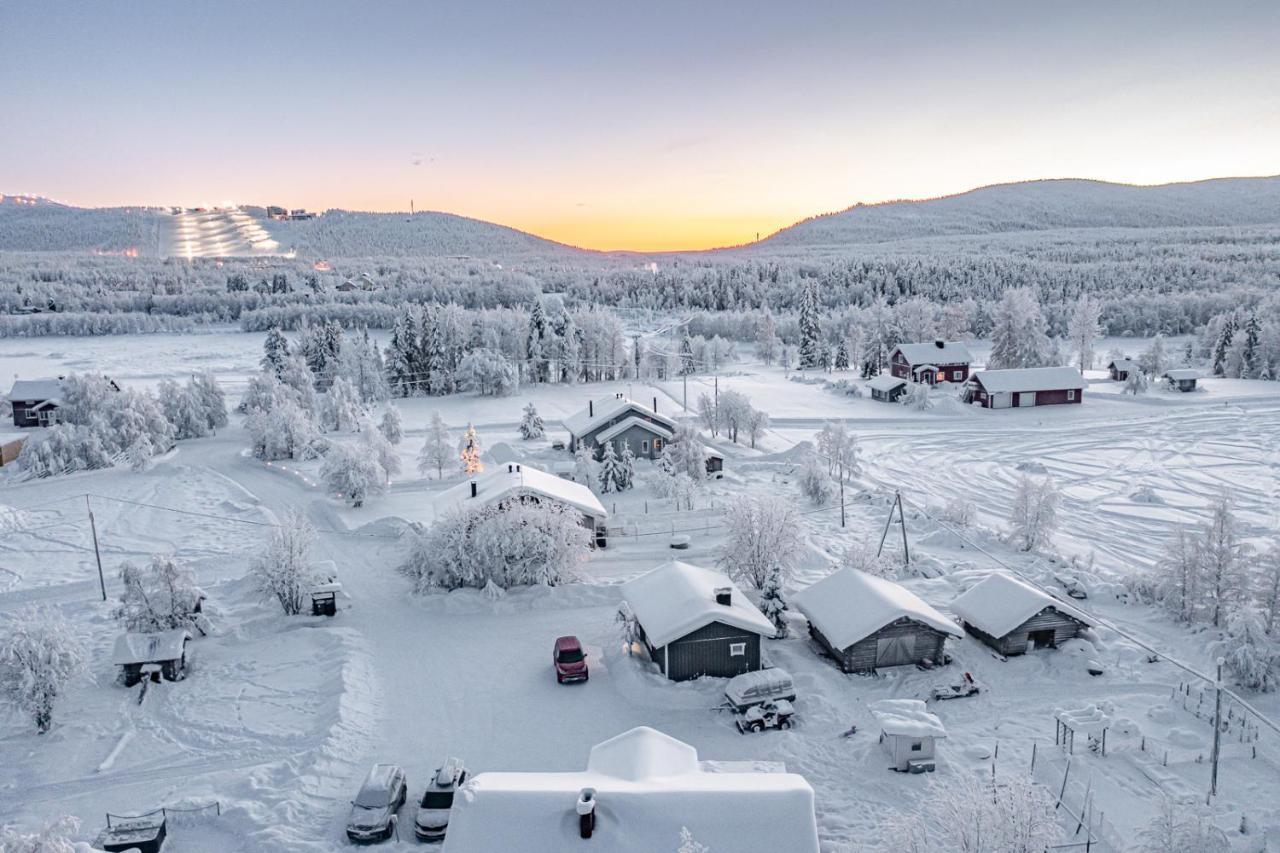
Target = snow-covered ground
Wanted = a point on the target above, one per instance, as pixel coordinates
(279, 718)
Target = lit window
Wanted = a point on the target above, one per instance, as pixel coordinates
(737, 649)
(657, 445)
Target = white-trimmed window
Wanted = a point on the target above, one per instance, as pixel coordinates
(957, 375)
(1071, 393)
(644, 446)
(737, 649)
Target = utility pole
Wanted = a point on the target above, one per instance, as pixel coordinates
(1217, 734)
(842, 520)
(97, 555)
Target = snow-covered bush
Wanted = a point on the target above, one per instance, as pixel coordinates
(157, 596)
(286, 431)
(284, 570)
(1250, 655)
(518, 544)
(39, 654)
(437, 448)
(391, 427)
(764, 541)
(863, 557)
(353, 473)
(584, 466)
(1136, 382)
(1034, 518)
(1182, 828)
(968, 814)
(54, 837)
(488, 372)
(815, 480)
(958, 512)
(917, 397)
(531, 425)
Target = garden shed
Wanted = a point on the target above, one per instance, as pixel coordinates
(166, 649)
(1183, 379)
(887, 388)
(1013, 617)
(908, 733)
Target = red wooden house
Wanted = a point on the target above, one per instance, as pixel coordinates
(1025, 387)
(931, 363)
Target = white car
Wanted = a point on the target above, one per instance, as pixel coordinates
(437, 801)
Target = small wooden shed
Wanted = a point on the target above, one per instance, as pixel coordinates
(867, 623)
(166, 649)
(908, 733)
(1120, 369)
(1183, 379)
(887, 388)
(1014, 617)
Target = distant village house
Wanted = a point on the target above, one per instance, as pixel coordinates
(1120, 369)
(518, 482)
(931, 363)
(887, 388)
(1014, 617)
(623, 422)
(1183, 379)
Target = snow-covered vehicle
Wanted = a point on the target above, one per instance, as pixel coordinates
(373, 811)
(569, 660)
(966, 687)
(141, 834)
(437, 801)
(770, 715)
(756, 688)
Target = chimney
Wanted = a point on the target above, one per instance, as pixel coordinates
(724, 595)
(517, 468)
(474, 488)
(511, 469)
(940, 344)
(591, 408)
(586, 809)
(655, 404)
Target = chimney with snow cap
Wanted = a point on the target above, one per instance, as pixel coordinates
(586, 809)
(474, 488)
(724, 595)
(940, 344)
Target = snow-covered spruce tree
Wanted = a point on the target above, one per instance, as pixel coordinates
(469, 450)
(763, 538)
(687, 364)
(516, 545)
(275, 350)
(39, 654)
(391, 426)
(626, 467)
(360, 364)
(815, 480)
(488, 373)
(536, 343)
(584, 466)
(772, 604)
(609, 474)
(284, 570)
(342, 406)
(375, 445)
(1034, 518)
(1083, 329)
(531, 425)
(437, 448)
(1179, 828)
(158, 596)
(685, 453)
(1018, 335)
(810, 328)
(54, 837)
(842, 356)
(1223, 563)
(352, 473)
(1249, 653)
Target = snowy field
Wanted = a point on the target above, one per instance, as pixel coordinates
(279, 719)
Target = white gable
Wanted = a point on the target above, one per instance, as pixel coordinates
(951, 352)
(504, 481)
(999, 603)
(849, 605)
(603, 410)
(633, 421)
(677, 598)
(885, 382)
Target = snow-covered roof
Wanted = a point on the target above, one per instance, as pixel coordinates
(516, 479)
(951, 352)
(1182, 373)
(1090, 719)
(36, 389)
(1000, 602)
(605, 409)
(677, 598)
(849, 605)
(907, 718)
(648, 787)
(633, 421)
(1031, 379)
(885, 382)
(149, 648)
(1126, 364)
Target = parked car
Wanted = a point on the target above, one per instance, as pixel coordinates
(570, 660)
(437, 800)
(373, 810)
(770, 715)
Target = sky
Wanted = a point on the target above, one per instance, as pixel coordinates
(645, 126)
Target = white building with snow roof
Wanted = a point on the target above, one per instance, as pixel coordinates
(640, 790)
(867, 623)
(695, 621)
(1013, 617)
(620, 420)
(516, 481)
(909, 733)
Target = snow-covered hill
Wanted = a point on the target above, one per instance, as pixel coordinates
(33, 224)
(1043, 205)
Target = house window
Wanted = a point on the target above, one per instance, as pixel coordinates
(644, 446)
(1071, 393)
(737, 649)
(916, 746)
(957, 375)
(657, 445)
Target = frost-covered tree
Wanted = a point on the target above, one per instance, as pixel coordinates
(284, 570)
(1223, 563)
(810, 328)
(685, 453)
(53, 837)
(1018, 336)
(353, 473)
(213, 401)
(815, 480)
(284, 432)
(1269, 589)
(516, 544)
(767, 343)
(391, 426)
(360, 364)
(531, 425)
(1182, 828)
(609, 476)
(140, 455)
(708, 413)
(626, 467)
(375, 444)
(275, 351)
(1249, 653)
(1083, 329)
(1034, 518)
(687, 364)
(584, 465)
(39, 654)
(1154, 360)
(183, 408)
(838, 446)
(1136, 382)
(489, 373)
(842, 356)
(1177, 585)
(763, 539)
(469, 450)
(968, 814)
(437, 448)
(158, 596)
(342, 406)
(773, 605)
(738, 415)
(917, 397)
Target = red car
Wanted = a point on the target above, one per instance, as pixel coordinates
(569, 660)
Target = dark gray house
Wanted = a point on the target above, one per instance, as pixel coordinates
(1120, 368)
(887, 388)
(621, 421)
(867, 623)
(1014, 617)
(1184, 379)
(695, 621)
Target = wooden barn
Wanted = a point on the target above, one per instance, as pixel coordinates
(887, 388)
(1014, 617)
(867, 623)
(621, 421)
(164, 649)
(1183, 379)
(1120, 369)
(695, 621)
(931, 363)
(1025, 387)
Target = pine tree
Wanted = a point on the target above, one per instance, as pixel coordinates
(810, 328)
(275, 351)
(536, 343)
(1223, 347)
(1249, 352)
(626, 467)
(687, 365)
(469, 450)
(772, 604)
(610, 475)
(842, 356)
(531, 425)
(1018, 336)
(1083, 329)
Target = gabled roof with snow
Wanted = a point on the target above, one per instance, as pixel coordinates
(678, 598)
(1031, 379)
(1000, 602)
(1182, 373)
(505, 481)
(149, 648)
(648, 787)
(633, 421)
(36, 389)
(849, 605)
(951, 352)
(907, 718)
(1126, 364)
(605, 409)
(885, 382)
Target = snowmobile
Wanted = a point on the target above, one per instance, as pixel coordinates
(966, 687)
